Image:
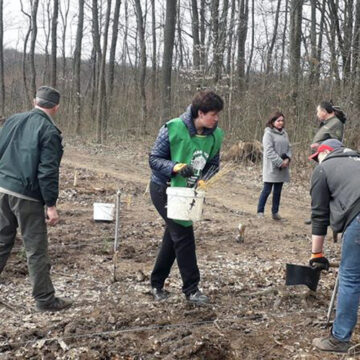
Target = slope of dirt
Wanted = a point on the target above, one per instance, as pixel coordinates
(252, 314)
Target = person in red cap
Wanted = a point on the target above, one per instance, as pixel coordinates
(335, 201)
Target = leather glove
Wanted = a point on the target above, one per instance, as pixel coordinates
(201, 185)
(184, 170)
(319, 261)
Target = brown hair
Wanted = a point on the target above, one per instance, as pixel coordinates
(206, 101)
(273, 118)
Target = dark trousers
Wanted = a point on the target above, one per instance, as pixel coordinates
(30, 216)
(265, 194)
(178, 243)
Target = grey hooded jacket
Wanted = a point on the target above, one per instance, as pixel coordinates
(275, 143)
(335, 191)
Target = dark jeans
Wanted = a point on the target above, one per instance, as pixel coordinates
(30, 216)
(178, 243)
(265, 194)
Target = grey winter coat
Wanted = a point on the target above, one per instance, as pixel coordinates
(275, 144)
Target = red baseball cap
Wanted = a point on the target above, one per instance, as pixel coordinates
(330, 144)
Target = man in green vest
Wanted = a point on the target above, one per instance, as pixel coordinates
(186, 149)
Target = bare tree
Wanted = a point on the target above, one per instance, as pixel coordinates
(344, 36)
(46, 26)
(2, 79)
(115, 31)
(169, 36)
(195, 34)
(296, 7)
(242, 34)
(64, 14)
(215, 37)
(273, 39)
(252, 40)
(202, 33)
(231, 36)
(96, 40)
(283, 40)
(26, 39)
(34, 10)
(356, 40)
(54, 43)
(179, 44)
(101, 110)
(77, 66)
(223, 31)
(141, 33)
(153, 60)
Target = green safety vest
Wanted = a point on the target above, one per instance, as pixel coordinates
(194, 150)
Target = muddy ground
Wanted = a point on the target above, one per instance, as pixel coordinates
(252, 314)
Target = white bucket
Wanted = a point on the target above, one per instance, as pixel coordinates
(104, 212)
(184, 203)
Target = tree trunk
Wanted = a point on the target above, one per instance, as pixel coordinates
(24, 70)
(141, 32)
(331, 39)
(64, 18)
(295, 45)
(252, 40)
(319, 45)
(223, 30)
(101, 111)
(115, 31)
(54, 43)
(2, 79)
(283, 40)
(153, 60)
(195, 34)
(77, 67)
(34, 10)
(242, 33)
(202, 34)
(273, 39)
(215, 38)
(96, 42)
(230, 40)
(169, 36)
(356, 52)
(180, 48)
(47, 33)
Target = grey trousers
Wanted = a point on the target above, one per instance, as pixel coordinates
(30, 217)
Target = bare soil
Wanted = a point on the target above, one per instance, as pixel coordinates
(252, 314)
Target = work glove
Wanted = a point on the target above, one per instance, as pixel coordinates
(201, 185)
(184, 170)
(319, 261)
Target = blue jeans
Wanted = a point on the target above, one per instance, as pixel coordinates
(349, 283)
(265, 194)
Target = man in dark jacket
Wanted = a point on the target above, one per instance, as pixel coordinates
(30, 155)
(335, 201)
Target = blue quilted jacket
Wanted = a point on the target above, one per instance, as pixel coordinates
(160, 158)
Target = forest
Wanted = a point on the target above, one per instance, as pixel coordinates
(124, 68)
(131, 65)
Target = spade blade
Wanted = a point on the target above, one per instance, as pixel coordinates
(302, 275)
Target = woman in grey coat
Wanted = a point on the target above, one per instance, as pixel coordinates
(276, 160)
